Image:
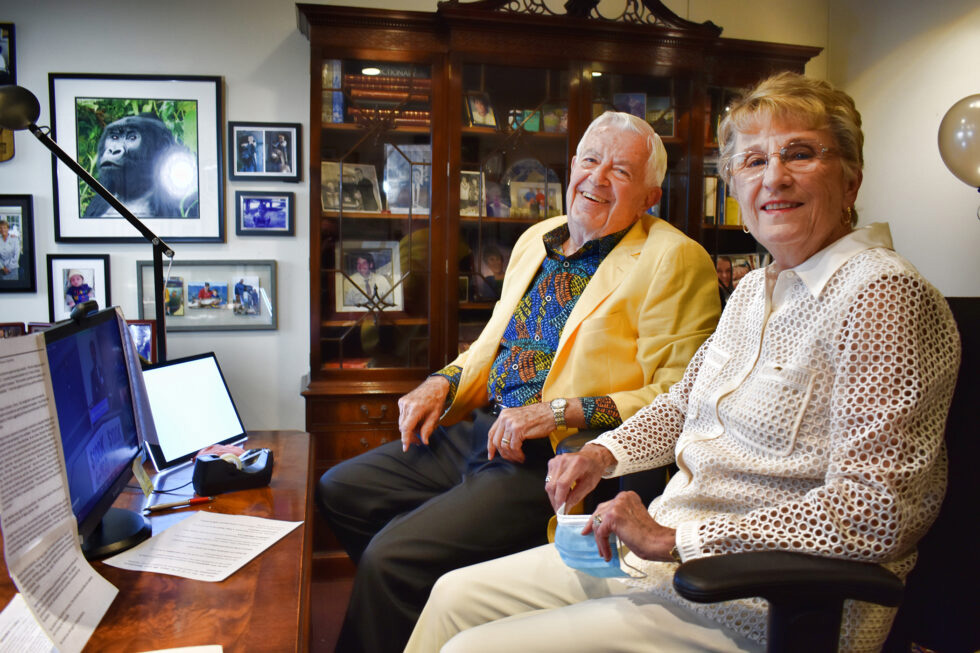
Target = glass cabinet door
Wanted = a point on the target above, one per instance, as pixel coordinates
(375, 187)
(513, 159)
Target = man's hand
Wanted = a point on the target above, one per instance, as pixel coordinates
(573, 475)
(628, 518)
(419, 410)
(515, 425)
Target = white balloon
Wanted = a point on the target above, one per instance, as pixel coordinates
(959, 140)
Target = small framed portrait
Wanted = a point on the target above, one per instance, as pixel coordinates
(660, 115)
(479, 111)
(263, 151)
(632, 103)
(368, 277)
(170, 173)
(358, 192)
(261, 213)
(17, 265)
(408, 177)
(472, 196)
(38, 327)
(463, 292)
(498, 201)
(144, 333)
(535, 200)
(12, 329)
(76, 278)
(8, 54)
(489, 281)
(554, 118)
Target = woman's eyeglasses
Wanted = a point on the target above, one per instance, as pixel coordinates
(797, 156)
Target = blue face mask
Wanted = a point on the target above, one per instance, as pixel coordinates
(581, 552)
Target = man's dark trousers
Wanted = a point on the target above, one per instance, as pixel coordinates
(406, 518)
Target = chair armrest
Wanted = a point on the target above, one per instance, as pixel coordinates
(782, 576)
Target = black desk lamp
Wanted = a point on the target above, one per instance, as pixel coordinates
(19, 109)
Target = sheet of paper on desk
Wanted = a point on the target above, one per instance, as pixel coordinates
(208, 546)
(19, 630)
(40, 538)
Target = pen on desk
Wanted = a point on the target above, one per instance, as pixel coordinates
(179, 504)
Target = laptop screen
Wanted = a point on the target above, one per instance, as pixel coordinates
(192, 409)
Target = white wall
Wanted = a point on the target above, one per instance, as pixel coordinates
(905, 66)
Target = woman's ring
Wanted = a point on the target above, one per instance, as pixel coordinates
(596, 520)
(547, 479)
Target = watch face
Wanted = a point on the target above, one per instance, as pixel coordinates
(559, 403)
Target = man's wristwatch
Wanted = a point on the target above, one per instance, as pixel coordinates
(558, 407)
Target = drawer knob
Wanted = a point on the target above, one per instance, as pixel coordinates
(381, 415)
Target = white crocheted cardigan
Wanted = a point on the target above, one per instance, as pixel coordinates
(811, 420)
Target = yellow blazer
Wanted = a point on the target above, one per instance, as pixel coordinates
(652, 302)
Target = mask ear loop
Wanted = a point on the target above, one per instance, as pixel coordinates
(621, 549)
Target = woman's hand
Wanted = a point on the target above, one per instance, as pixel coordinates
(571, 476)
(628, 518)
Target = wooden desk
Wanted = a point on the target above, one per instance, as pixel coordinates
(264, 606)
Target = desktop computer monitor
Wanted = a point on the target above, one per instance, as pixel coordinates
(97, 420)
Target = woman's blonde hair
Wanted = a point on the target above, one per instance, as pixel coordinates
(794, 97)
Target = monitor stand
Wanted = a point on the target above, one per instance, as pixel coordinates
(119, 530)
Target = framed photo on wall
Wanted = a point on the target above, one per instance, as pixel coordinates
(76, 278)
(11, 329)
(144, 333)
(368, 276)
(264, 151)
(8, 54)
(261, 213)
(17, 264)
(154, 141)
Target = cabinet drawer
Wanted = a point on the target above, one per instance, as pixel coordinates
(333, 447)
(340, 413)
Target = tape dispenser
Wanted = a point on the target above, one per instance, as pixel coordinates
(215, 474)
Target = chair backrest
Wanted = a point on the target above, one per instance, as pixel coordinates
(940, 606)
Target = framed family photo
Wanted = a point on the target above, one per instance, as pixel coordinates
(535, 200)
(154, 141)
(17, 264)
(472, 195)
(368, 277)
(8, 54)
(213, 295)
(264, 151)
(358, 192)
(76, 278)
(261, 213)
(144, 333)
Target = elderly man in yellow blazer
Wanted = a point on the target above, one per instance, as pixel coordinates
(600, 311)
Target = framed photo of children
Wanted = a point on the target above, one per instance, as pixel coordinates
(479, 111)
(264, 151)
(170, 173)
(260, 213)
(76, 278)
(227, 295)
(17, 266)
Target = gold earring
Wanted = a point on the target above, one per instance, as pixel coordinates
(846, 217)
(744, 227)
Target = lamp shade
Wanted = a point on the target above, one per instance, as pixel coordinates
(959, 140)
(19, 108)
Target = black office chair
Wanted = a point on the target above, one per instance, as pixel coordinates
(806, 593)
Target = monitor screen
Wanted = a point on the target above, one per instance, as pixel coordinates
(96, 415)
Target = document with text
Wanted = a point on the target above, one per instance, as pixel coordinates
(208, 546)
(40, 537)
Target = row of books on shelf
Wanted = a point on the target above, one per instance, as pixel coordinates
(720, 206)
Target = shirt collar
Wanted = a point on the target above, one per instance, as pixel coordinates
(817, 270)
(554, 239)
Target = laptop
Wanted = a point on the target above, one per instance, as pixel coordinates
(192, 409)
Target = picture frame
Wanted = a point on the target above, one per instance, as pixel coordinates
(38, 327)
(660, 115)
(359, 191)
(8, 54)
(368, 276)
(64, 293)
(535, 200)
(12, 329)
(185, 203)
(463, 289)
(631, 103)
(472, 193)
(265, 151)
(144, 333)
(231, 295)
(554, 118)
(491, 260)
(479, 111)
(17, 256)
(265, 213)
(408, 178)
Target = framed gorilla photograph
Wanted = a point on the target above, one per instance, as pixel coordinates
(153, 141)
(264, 151)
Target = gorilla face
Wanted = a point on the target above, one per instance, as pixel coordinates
(129, 151)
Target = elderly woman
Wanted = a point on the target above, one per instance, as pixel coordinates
(811, 421)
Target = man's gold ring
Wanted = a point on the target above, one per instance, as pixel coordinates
(505, 440)
(596, 520)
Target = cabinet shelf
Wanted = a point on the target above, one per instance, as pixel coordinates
(398, 321)
(372, 215)
(355, 127)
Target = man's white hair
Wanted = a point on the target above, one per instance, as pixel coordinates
(656, 163)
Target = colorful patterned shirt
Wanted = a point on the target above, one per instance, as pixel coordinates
(528, 346)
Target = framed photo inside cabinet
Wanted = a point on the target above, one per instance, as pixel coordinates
(358, 192)
(261, 213)
(471, 193)
(8, 54)
(408, 177)
(213, 295)
(632, 103)
(17, 264)
(368, 276)
(154, 141)
(479, 111)
(534, 200)
(144, 333)
(11, 329)
(76, 278)
(264, 151)
(660, 115)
